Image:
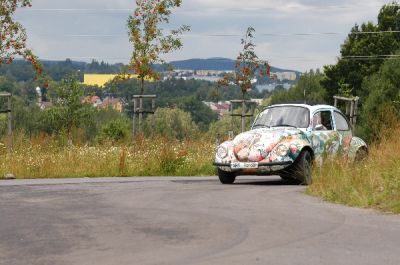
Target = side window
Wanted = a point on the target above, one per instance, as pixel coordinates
(341, 122)
(322, 121)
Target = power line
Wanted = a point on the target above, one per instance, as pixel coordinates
(229, 35)
(78, 10)
(372, 56)
(232, 9)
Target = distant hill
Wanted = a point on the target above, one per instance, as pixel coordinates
(57, 70)
(219, 64)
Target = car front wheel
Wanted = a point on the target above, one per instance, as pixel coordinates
(303, 167)
(226, 177)
(300, 171)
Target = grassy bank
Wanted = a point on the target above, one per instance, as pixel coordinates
(374, 183)
(44, 157)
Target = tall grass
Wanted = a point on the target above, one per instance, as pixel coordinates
(48, 157)
(373, 183)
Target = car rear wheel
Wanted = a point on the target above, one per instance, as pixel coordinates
(361, 155)
(226, 177)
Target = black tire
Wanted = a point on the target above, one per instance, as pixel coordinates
(285, 176)
(226, 177)
(288, 178)
(300, 171)
(303, 166)
(361, 155)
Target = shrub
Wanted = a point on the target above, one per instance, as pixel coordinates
(171, 123)
(115, 130)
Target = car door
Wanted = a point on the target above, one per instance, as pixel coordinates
(345, 134)
(325, 139)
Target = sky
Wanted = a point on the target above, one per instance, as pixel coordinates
(292, 34)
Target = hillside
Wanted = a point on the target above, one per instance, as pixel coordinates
(218, 64)
(22, 71)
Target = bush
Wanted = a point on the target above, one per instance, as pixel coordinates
(171, 123)
(115, 130)
(380, 110)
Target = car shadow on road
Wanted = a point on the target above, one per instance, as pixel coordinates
(265, 182)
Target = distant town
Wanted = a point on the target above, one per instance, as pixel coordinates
(215, 75)
(284, 79)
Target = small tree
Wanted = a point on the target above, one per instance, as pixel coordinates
(13, 35)
(148, 39)
(247, 66)
(68, 113)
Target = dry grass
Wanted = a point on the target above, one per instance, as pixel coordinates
(45, 157)
(374, 183)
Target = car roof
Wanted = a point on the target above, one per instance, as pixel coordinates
(312, 108)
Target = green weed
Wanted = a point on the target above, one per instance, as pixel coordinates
(374, 183)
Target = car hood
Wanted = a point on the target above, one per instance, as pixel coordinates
(259, 144)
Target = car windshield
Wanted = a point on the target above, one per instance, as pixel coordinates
(291, 116)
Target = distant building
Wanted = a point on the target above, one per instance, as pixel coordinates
(97, 79)
(208, 75)
(291, 76)
(95, 101)
(101, 79)
(221, 108)
(116, 104)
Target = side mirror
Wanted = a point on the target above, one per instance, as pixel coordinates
(319, 127)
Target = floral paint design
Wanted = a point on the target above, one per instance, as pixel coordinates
(284, 144)
(262, 145)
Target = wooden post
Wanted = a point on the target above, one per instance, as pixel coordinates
(351, 108)
(232, 117)
(10, 131)
(352, 113)
(153, 104)
(138, 111)
(9, 116)
(243, 115)
(134, 117)
(355, 110)
(9, 120)
(141, 114)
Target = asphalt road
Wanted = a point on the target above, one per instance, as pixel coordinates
(185, 221)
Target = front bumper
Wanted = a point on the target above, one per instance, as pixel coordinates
(283, 163)
(262, 167)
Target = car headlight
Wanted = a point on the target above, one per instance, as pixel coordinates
(282, 150)
(222, 152)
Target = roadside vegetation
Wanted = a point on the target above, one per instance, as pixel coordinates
(51, 157)
(373, 183)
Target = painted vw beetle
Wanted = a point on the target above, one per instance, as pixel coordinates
(285, 140)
